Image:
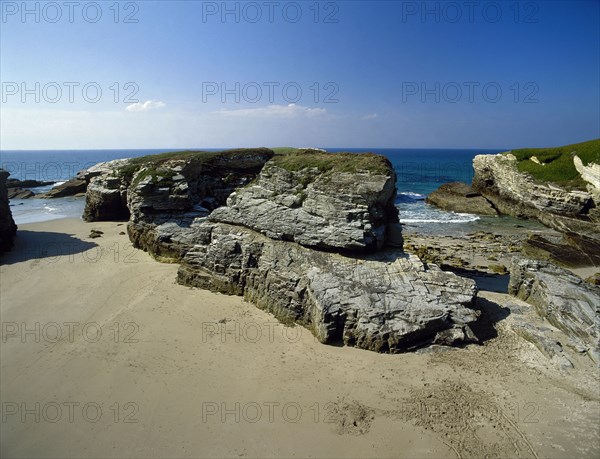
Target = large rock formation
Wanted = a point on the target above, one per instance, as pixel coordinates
(331, 209)
(106, 194)
(386, 302)
(518, 194)
(301, 235)
(8, 229)
(563, 299)
(165, 200)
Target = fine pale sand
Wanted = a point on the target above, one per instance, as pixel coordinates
(104, 355)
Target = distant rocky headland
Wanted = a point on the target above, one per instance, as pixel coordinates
(314, 238)
(560, 187)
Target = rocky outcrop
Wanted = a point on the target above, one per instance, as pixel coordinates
(478, 253)
(106, 195)
(311, 237)
(589, 173)
(572, 250)
(155, 190)
(16, 183)
(460, 197)
(69, 188)
(386, 302)
(563, 299)
(327, 210)
(19, 193)
(518, 194)
(79, 185)
(165, 200)
(19, 189)
(8, 229)
(524, 321)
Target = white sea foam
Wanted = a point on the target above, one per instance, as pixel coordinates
(420, 212)
(37, 210)
(463, 219)
(412, 194)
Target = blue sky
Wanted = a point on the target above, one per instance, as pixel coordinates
(183, 74)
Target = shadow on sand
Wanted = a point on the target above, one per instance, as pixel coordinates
(43, 245)
(491, 313)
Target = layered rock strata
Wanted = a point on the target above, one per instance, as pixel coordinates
(563, 299)
(311, 237)
(518, 194)
(386, 302)
(326, 210)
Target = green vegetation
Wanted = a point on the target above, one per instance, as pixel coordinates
(292, 159)
(154, 162)
(557, 163)
(164, 174)
(286, 150)
(334, 162)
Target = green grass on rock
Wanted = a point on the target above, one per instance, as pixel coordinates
(557, 162)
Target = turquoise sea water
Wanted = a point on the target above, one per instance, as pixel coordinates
(419, 172)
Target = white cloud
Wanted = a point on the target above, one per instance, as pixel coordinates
(370, 116)
(287, 111)
(142, 107)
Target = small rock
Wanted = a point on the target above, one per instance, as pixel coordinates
(20, 193)
(69, 188)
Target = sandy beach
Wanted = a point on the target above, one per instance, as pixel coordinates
(104, 355)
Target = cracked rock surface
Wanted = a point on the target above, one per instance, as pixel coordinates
(313, 238)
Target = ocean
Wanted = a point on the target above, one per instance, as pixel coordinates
(419, 172)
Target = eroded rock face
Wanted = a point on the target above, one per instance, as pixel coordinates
(563, 299)
(8, 229)
(244, 224)
(106, 195)
(460, 197)
(330, 210)
(589, 173)
(385, 302)
(572, 250)
(177, 189)
(164, 207)
(514, 193)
